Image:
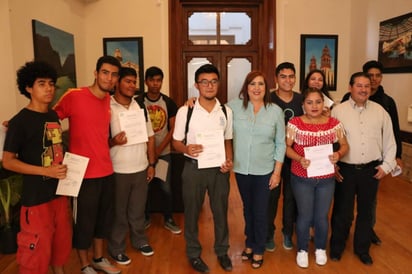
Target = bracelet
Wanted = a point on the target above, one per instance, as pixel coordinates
(152, 165)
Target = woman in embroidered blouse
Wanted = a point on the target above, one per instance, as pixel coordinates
(259, 149)
(313, 194)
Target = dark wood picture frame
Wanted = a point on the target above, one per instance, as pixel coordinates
(55, 47)
(321, 52)
(395, 44)
(129, 51)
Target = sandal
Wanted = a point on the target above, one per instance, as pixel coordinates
(256, 263)
(246, 256)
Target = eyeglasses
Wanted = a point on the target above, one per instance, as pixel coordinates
(205, 83)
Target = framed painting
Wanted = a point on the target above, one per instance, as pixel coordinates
(129, 51)
(319, 52)
(395, 44)
(55, 47)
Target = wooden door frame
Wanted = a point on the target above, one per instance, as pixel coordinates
(266, 47)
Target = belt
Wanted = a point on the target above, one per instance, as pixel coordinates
(190, 160)
(372, 164)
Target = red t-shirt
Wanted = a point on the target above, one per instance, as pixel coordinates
(89, 120)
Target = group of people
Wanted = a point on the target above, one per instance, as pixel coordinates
(263, 136)
(112, 198)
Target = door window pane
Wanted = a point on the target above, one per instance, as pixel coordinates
(219, 28)
(192, 66)
(237, 69)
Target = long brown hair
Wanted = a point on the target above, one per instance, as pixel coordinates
(243, 91)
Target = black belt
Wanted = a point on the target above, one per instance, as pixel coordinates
(191, 160)
(372, 164)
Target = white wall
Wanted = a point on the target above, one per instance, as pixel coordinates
(356, 23)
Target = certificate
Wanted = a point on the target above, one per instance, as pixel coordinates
(213, 154)
(161, 169)
(76, 167)
(133, 123)
(319, 160)
(3, 130)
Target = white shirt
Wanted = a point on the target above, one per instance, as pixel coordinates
(202, 120)
(133, 158)
(369, 133)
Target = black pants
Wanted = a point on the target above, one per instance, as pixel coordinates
(289, 204)
(359, 182)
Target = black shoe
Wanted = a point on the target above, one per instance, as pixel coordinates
(199, 265)
(335, 256)
(225, 262)
(375, 239)
(365, 258)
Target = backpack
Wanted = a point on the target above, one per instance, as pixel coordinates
(189, 115)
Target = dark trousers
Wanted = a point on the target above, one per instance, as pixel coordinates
(195, 182)
(360, 183)
(289, 204)
(254, 191)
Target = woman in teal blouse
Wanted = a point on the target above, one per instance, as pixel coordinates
(259, 148)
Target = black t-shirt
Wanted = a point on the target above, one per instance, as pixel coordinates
(290, 109)
(36, 138)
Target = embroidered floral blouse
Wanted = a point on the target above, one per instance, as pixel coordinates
(307, 135)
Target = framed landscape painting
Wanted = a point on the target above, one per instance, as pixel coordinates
(319, 52)
(129, 51)
(55, 47)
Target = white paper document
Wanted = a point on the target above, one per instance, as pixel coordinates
(133, 123)
(76, 167)
(396, 171)
(327, 102)
(3, 130)
(161, 169)
(213, 143)
(319, 160)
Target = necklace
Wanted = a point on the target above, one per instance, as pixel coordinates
(125, 105)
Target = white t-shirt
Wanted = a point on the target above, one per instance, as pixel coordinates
(133, 158)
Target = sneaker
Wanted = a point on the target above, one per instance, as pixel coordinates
(147, 223)
(172, 226)
(122, 259)
(270, 245)
(321, 257)
(88, 270)
(146, 250)
(302, 259)
(104, 265)
(287, 242)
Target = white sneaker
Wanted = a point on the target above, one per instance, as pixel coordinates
(88, 270)
(321, 257)
(302, 259)
(105, 266)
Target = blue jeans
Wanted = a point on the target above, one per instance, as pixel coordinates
(313, 199)
(254, 190)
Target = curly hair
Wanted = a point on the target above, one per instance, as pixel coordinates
(27, 75)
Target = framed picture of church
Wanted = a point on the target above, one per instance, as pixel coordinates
(129, 51)
(319, 52)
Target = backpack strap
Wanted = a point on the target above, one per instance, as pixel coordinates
(140, 101)
(189, 115)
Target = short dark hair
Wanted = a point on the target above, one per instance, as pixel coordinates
(152, 72)
(126, 71)
(285, 65)
(357, 75)
(308, 91)
(207, 68)
(27, 75)
(107, 59)
(372, 64)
